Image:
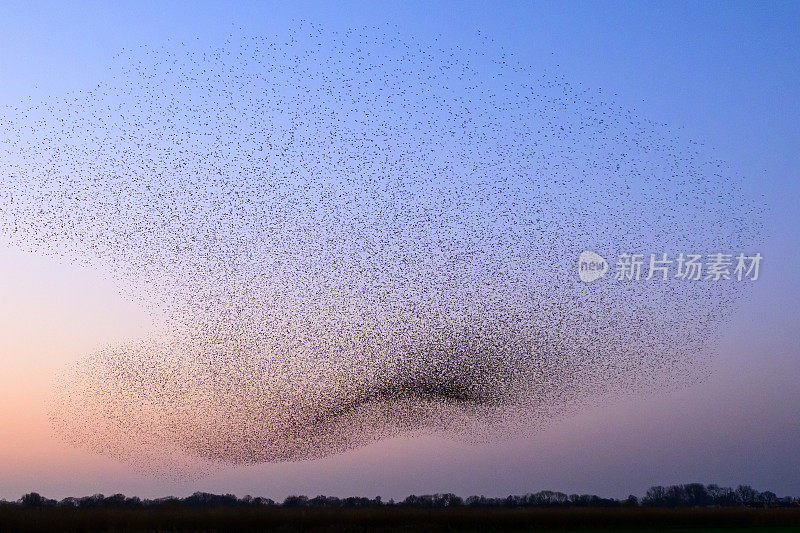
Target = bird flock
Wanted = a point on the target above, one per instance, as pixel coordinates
(350, 236)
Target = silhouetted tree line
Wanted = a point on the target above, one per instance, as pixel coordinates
(688, 495)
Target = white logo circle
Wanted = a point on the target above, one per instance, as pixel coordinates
(591, 266)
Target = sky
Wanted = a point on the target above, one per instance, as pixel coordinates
(725, 74)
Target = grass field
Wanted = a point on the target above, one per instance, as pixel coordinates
(398, 519)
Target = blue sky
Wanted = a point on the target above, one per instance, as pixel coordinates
(723, 73)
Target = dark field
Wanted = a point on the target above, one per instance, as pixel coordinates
(397, 519)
